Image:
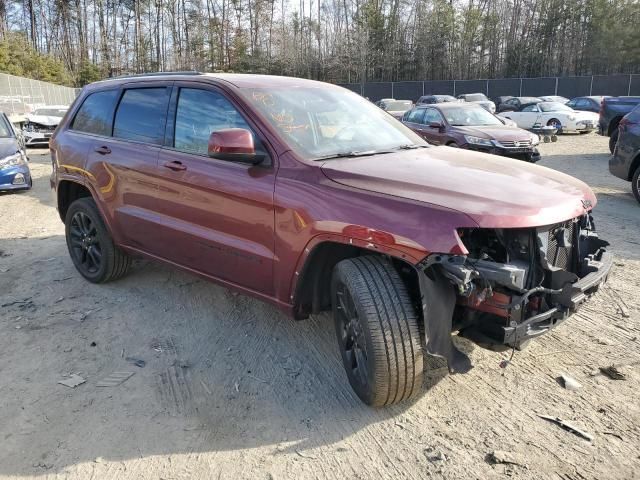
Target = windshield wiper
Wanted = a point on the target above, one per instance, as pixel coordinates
(360, 153)
(367, 153)
(410, 146)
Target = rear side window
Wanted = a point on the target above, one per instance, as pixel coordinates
(199, 113)
(96, 113)
(141, 115)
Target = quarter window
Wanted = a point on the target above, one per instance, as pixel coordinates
(96, 113)
(198, 114)
(141, 115)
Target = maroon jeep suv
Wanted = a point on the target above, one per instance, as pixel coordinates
(308, 196)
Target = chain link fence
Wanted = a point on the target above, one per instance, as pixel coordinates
(19, 96)
(518, 87)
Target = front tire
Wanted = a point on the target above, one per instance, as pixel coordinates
(635, 184)
(90, 246)
(555, 123)
(377, 329)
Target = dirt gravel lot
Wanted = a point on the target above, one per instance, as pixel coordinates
(233, 389)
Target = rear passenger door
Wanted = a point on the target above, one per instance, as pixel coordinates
(126, 162)
(218, 215)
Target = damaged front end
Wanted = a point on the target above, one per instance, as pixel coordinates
(512, 286)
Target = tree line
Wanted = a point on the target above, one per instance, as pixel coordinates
(78, 41)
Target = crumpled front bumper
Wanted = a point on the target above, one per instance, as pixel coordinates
(489, 303)
(569, 301)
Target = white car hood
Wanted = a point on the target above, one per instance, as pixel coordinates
(47, 120)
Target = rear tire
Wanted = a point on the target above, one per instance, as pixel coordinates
(635, 184)
(90, 245)
(377, 330)
(613, 140)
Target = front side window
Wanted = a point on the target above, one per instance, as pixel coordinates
(200, 113)
(415, 115)
(141, 115)
(554, 107)
(432, 115)
(96, 113)
(301, 116)
(530, 108)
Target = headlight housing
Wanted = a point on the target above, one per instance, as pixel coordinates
(478, 141)
(12, 160)
(535, 139)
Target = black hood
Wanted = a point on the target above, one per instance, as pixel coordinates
(8, 146)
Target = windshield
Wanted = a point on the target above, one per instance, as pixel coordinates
(322, 122)
(475, 97)
(554, 107)
(397, 106)
(445, 98)
(469, 117)
(50, 112)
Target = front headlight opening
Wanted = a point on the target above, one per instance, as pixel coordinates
(478, 141)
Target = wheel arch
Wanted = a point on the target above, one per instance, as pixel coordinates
(613, 124)
(69, 191)
(312, 279)
(635, 165)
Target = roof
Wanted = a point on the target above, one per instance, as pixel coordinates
(239, 80)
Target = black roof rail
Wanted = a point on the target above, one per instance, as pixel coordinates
(157, 74)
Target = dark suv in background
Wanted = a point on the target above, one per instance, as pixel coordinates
(612, 109)
(308, 196)
(625, 162)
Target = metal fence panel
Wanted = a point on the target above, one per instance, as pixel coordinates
(439, 87)
(634, 85)
(407, 90)
(354, 87)
(19, 96)
(503, 87)
(610, 85)
(571, 87)
(470, 86)
(377, 90)
(538, 87)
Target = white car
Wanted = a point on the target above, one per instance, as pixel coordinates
(41, 124)
(558, 115)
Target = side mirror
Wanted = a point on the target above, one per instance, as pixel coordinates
(235, 145)
(437, 125)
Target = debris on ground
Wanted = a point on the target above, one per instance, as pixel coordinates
(136, 361)
(568, 426)
(507, 458)
(73, 381)
(568, 382)
(115, 379)
(613, 372)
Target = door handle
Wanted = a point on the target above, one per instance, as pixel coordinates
(175, 166)
(103, 150)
